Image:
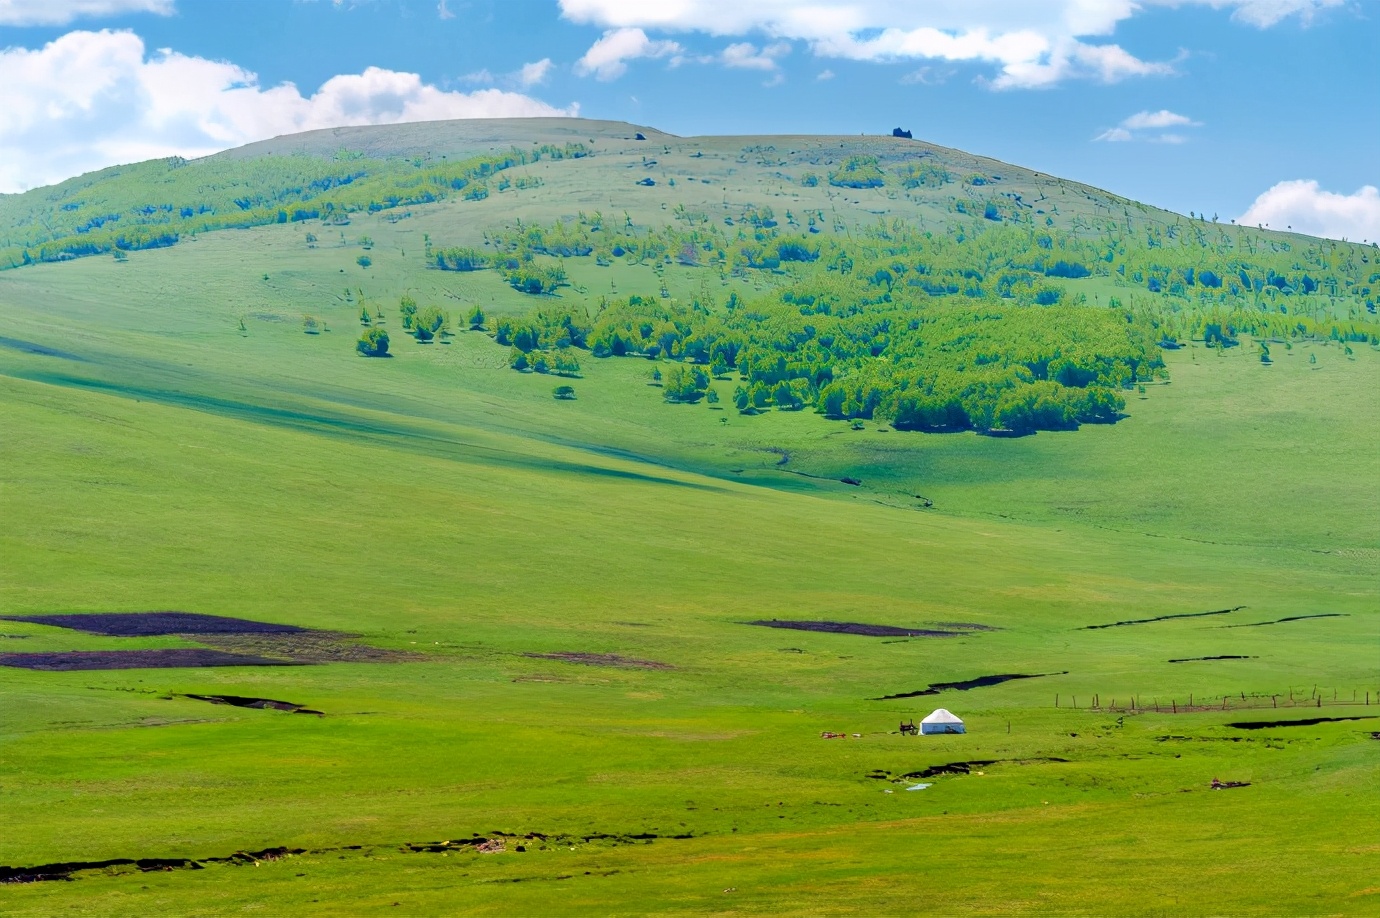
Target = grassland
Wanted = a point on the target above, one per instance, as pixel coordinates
(441, 504)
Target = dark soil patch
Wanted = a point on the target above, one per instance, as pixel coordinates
(166, 658)
(979, 682)
(1291, 618)
(855, 628)
(599, 659)
(1306, 722)
(952, 768)
(1228, 656)
(147, 624)
(262, 704)
(1161, 618)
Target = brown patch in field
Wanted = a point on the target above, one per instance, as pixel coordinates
(163, 658)
(599, 659)
(306, 647)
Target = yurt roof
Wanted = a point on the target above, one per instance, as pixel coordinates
(942, 716)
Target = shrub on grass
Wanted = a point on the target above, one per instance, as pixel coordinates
(373, 343)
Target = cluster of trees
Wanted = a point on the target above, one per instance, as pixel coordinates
(424, 323)
(979, 327)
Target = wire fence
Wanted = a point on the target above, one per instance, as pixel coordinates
(1315, 697)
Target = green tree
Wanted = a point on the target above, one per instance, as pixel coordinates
(431, 320)
(564, 393)
(373, 343)
(476, 319)
(784, 397)
(364, 261)
(364, 316)
(684, 384)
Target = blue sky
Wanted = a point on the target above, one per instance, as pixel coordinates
(1267, 109)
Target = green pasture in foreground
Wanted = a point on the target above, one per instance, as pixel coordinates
(440, 504)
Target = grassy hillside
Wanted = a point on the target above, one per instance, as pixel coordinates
(565, 587)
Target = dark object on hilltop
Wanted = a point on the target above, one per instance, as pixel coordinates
(143, 624)
(897, 132)
(1220, 785)
(648, 182)
(639, 136)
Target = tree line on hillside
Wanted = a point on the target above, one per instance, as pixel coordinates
(979, 327)
(156, 203)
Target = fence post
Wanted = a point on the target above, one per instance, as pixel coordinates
(1175, 704)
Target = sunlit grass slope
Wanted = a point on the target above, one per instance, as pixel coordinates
(171, 439)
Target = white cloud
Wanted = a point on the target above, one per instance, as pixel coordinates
(1307, 208)
(825, 75)
(479, 76)
(1115, 135)
(61, 12)
(745, 54)
(534, 73)
(91, 99)
(1161, 119)
(442, 11)
(1031, 44)
(926, 76)
(606, 58)
(1132, 128)
(1265, 13)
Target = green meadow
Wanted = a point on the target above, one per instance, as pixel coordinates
(567, 588)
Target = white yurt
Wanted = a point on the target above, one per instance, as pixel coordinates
(941, 721)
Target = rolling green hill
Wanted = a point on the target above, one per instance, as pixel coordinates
(1014, 408)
